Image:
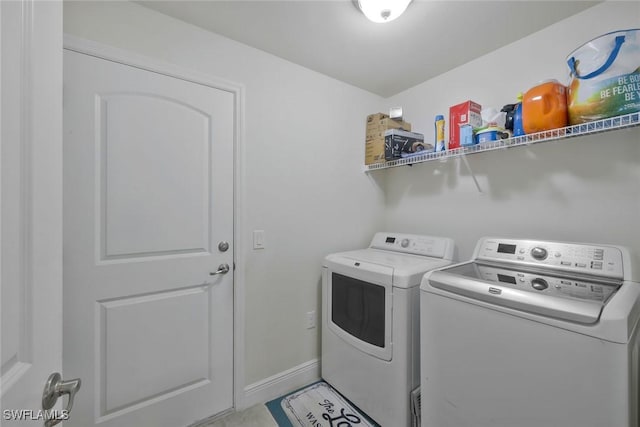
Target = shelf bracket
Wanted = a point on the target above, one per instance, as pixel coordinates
(466, 163)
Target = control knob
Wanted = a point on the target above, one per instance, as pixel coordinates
(539, 253)
(539, 284)
(404, 243)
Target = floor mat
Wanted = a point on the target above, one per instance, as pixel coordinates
(314, 406)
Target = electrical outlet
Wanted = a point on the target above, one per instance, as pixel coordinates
(311, 319)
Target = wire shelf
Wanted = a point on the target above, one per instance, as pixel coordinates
(605, 125)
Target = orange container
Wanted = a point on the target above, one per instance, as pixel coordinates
(544, 107)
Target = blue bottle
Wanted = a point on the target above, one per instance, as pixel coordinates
(518, 130)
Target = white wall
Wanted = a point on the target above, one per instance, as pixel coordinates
(303, 158)
(583, 189)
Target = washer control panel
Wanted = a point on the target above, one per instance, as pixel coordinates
(436, 247)
(545, 284)
(604, 261)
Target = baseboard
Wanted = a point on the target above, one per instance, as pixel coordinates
(281, 383)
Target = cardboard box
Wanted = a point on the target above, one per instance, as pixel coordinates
(376, 116)
(377, 125)
(374, 151)
(397, 141)
(381, 122)
(376, 135)
(386, 124)
(466, 113)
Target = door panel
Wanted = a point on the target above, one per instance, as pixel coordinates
(131, 353)
(176, 184)
(148, 183)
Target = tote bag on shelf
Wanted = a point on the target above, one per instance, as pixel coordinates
(604, 77)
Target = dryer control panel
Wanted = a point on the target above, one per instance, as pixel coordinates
(596, 260)
(435, 247)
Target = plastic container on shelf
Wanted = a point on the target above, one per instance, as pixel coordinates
(544, 107)
(491, 133)
(513, 119)
(517, 118)
(467, 138)
(439, 133)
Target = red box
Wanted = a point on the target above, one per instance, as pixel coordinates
(466, 113)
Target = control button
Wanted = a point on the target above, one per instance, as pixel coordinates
(539, 284)
(565, 282)
(580, 264)
(557, 255)
(539, 253)
(596, 267)
(565, 262)
(597, 257)
(404, 243)
(521, 251)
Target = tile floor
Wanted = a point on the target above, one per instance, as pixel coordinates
(256, 416)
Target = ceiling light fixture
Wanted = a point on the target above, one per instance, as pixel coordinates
(381, 11)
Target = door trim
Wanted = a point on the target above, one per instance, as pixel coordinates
(98, 50)
(31, 123)
(21, 360)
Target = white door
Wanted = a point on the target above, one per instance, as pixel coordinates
(31, 206)
(148, 207)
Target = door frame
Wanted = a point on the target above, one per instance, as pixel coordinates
(31, 125)
(99, 50)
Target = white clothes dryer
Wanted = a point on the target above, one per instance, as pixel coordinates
(370, 321)
(530, 334)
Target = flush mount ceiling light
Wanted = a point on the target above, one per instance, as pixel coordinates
(381, 11)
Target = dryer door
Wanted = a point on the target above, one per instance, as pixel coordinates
(358, 305)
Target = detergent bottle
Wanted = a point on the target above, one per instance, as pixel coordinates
(518, 130)
(544, 107)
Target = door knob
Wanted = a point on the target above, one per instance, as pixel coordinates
(222, 269)
(54, 388)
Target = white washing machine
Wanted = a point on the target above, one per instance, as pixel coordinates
(532, 334)
(370, 321)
